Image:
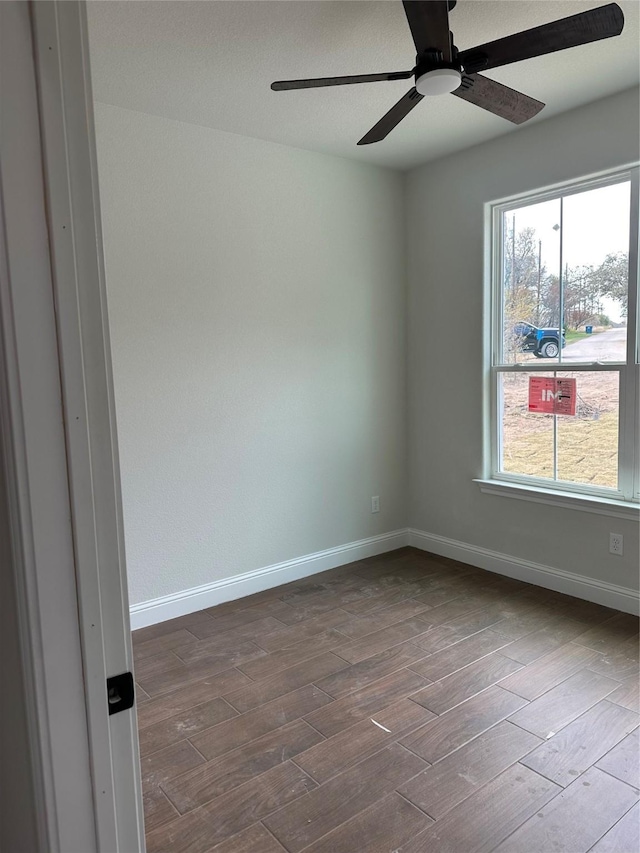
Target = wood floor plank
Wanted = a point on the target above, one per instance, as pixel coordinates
(461, 724)
(183, 725)
(340, 592)
(384, 599)
(385, 825)
(360, 741)
(582, 611)
(624, 836)
(608, 636)
(548, 671)
(365, 625)
(517, 627)
(441, 637)
(270, 664)
(623, 761)
(200, 830)
(385, 583)
(142, 635)
(358, 675)
(442, 787)
(438, 593)
(208, 781)
(168, 763)
(439, 574)
(477, 826)
(157, 809)
(477, 620)
(163, 643)
(168, 704)
(304, 822)
(265, 601)
(553, 710)
(363, 703)
(576, 818)
(258, 693)
(459, 606)
(449, 660)
(466, 682)
(159, 663)
(533, 646)
(141, 695)
(583, 742)
(284, 638)
(240, 618)
(255, 839)
(240, 730)
(621, 665)
(628, 694)
(296, 613)
(381, 640)
(247, 602)
(336, 692)
(183, 674)
(220, 641)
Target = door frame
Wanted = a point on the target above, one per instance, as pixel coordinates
(59, 439)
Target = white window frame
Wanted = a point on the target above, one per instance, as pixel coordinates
(623, 501)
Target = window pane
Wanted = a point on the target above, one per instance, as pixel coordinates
(595, 255)
(576, 247)
(530, 282)
(580, 448)
(527, 437)
(588, 442)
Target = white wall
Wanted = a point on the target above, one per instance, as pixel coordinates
(257, 298)
(445, 392)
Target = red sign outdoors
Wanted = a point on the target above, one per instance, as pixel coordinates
(551, 395)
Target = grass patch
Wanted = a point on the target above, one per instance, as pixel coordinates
(587, 449)
(571, 336)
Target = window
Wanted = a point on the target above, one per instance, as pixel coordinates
(564, 339)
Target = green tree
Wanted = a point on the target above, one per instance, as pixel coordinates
(611, 279)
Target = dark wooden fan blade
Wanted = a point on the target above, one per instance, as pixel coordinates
(601, 23)
(392, 118)
(429, 25)
(281, 85)
(498, 99)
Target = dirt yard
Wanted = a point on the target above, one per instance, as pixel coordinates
(587, 443)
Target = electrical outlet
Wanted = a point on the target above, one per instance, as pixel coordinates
(375, 504)
(616, 543)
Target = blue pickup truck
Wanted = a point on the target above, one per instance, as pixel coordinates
(543, 343)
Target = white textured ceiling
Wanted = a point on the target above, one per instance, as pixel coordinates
(211, 63)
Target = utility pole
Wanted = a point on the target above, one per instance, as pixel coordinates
(539, 282)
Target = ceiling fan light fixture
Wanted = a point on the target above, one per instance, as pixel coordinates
(439, 81)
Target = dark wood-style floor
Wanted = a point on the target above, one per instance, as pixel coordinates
(402, 704)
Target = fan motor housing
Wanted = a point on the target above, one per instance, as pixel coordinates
(438, 81)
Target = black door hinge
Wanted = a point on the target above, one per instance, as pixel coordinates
(120, 692)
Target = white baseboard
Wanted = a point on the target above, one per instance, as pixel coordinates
(228, 589)
(580, 586)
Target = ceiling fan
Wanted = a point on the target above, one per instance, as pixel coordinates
(441, 68)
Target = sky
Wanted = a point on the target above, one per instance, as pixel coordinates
(594, 224)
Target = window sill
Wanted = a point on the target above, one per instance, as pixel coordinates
(567, 500)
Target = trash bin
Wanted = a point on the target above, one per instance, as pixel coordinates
(588, 330)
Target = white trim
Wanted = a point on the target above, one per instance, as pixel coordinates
(580, 586)
(495, 362)
(238, 586)
(567, 500)
(33, 442)
(83, 370)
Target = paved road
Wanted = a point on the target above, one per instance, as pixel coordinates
(601, 346)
